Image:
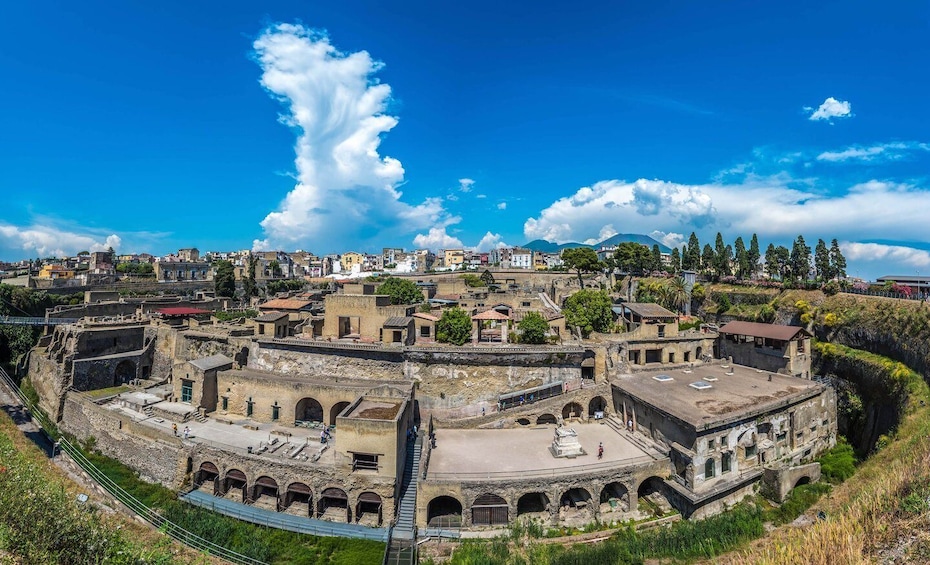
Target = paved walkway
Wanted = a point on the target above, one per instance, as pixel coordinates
(283, 521)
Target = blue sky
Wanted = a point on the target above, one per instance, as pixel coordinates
(352, 125)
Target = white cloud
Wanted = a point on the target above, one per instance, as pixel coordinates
(880, 152)
(437, 238)
(895, 254)
(490, 241)
(831, 109)
(777, 207)
(466, 184)
(345, 187)
(606, 232)
(46, 240)
(670, 239)
(501, 205)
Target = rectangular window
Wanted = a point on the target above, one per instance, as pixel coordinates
(275, 412)
(661, 331)
(711, 444)
(225, 403)
(261, 329)
(364, 462)
(187, 390)
(725, 463)
(800, 346)
(751, 450)
(723, 442)
(424, 331)
(671, 357)
(782, 436)
(709, 469)
(526, 304)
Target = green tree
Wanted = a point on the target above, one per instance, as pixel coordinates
(249, 286)
(454, 326)
(582, 259)
(722, 257)
(589, 310)
(275, 268)
(837, 261)
(224, 281)
(754, 256)
(656, 263)
(487, 277)
(691, 261)
(533, 328)
(771, 261)
(401, 291)
(707, 259)
(473, 281)
(822, 261)
(677, 293)
(800, 259)
(742, 259)
(633, 258)
(675, 260)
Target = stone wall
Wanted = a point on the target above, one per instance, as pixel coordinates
(155, 456)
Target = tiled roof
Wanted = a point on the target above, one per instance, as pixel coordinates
(769, 331)
(425, 316)
(648, 310)
(398, 322)
(271, 317)
(490, 315)
(285, 304)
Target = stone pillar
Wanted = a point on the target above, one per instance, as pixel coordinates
(476, 331)
(505, 329)
(634, 499)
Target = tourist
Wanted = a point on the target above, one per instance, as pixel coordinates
(600, 450)
(414, 431)
(482, 410)
(629, 425)
(187, 432)
(175, 428)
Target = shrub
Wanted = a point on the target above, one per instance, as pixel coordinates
(533, 328)
(454, 327)
(831, 288)
(839, 463)
(401, 291)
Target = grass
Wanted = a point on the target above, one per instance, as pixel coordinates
(105, 392)
(41, 522)
(266, 544)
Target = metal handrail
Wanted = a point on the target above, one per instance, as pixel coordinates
(167, 527)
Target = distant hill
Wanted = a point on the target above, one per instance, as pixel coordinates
(550, 247)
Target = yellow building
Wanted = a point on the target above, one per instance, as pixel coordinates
(351, 259)
(56, 272)
(454, 257)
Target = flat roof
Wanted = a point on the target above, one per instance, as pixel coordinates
(747, 391)
(211, 362)
(521, 451)
(375, 410)
(647, 310)
(769, 331)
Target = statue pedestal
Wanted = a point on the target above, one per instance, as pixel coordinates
(566, 444)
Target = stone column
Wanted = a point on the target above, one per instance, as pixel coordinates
(504, 330)
(476, 331)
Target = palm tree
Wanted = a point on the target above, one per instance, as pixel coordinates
(678, 292)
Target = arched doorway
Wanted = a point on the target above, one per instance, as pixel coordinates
(802, 481)
(523, 421)
(545, 419)
(368, 509)
(536, 504)
(334, 506)
(308, 410)
(489, 510)
(597, 404)
(699, 354)
(336, 410)
(652, 497)
(298, 500)
(234, 485)
(205, 477)
(571, 410)
(615, 497)
(575, 506)
(444, 512)
(265, 493)
(125, 372)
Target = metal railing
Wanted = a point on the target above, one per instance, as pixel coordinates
(152, 517)
(539, 473)
(35, 321)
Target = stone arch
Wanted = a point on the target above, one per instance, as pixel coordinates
(523, 421)
(572, 410)
(546, 419)
(333, 504)
(490, 510)
(336, 410)
(444, 512)
(234, 482)
(615, 497)
(125, 371)
(575, 506)
(533, 503)
(597, 404)
(206, 474)
(368, 509)
(298, 499)
(265, 492)
(308, 410)
(805, 480)
(652, 497)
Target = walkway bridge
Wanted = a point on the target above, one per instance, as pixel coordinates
(35, 321)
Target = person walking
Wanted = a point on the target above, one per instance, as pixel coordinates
(600, 450)
(174, 428)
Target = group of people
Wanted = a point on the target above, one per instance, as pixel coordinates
(187, 431)
(325, 435)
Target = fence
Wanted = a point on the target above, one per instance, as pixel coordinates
(539, 473)
(169, 528)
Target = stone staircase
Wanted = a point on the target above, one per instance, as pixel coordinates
(404, 528)
(200, 417)
(639, 441)
(148, 411)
